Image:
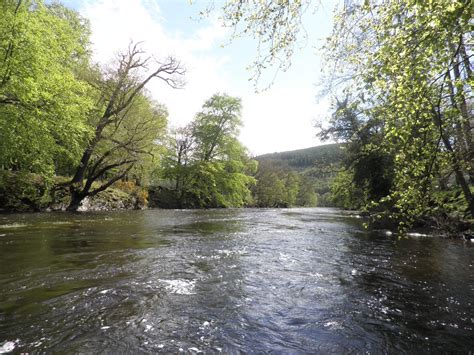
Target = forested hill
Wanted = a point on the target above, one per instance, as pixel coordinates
(316, 166)
(301, 159)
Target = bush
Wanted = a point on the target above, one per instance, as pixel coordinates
(139, 193)
(22, 192)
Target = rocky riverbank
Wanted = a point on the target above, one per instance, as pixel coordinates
(31, 193)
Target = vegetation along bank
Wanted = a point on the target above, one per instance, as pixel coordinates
(77, 135)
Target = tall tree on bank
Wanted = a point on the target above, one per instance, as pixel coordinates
(121, 99)
(277, 186)
(222, 173)
(43, 102)
(209, 167)
(368, 170)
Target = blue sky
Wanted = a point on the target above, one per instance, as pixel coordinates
(277, 119)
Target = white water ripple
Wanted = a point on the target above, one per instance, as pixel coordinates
(180, 286)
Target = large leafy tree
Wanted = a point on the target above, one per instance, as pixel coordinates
(222, 171)
(178, 161)
(269, 190)
(281, 187)
(368, 167)
(43, 102)
(126, 123)
(208, 165)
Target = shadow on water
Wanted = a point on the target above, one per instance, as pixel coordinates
(299, 280)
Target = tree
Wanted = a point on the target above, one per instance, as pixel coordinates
(209, 167)
(216, 127)
(177, 164)
(269, 190)
(279, 186)
(124, 125)
(307, 196)
(368, 168)
(43, 102)
(292, 188)
(410, 63)
(222, 173)
(409, 58)
(275, 25)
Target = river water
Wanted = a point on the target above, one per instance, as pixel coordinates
(244, 280)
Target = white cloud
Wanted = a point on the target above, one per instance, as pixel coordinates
(281, 119)
(276, 120)
(117, 22)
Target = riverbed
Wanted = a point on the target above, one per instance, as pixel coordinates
(235, 280)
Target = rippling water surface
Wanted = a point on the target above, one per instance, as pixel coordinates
(296, 280)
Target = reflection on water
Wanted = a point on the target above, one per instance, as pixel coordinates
(304, 280)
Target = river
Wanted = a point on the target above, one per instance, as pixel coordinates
(236, 280)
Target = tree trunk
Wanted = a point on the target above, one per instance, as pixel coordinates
(465, 124)
(76, 184)
(461, 180)
(463, 148)
(76, 199)
(465, 59)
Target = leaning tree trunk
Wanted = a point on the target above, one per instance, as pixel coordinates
(122, 95)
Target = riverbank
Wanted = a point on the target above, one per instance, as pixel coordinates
(448, 222)
(446, 227)
(32, 193)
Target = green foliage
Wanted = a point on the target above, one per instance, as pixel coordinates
(139, 193)
(23, 192)
(307, 196)
(43, 104)
(126, 123)
(345, 193)
(314, 167)
(136, 138)
(302, 159)
(408, 66)
(449, 202)
(292, 187)
(270, 191)
(368, 169)
(274, 24)
(205, 164)
(60, 114)
(410, 73)
(277, 187)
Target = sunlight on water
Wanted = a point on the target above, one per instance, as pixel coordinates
(180, 287)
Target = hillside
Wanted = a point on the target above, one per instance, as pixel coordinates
(306, 158)
(319, 164)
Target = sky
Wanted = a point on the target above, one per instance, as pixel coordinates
(278, 119)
